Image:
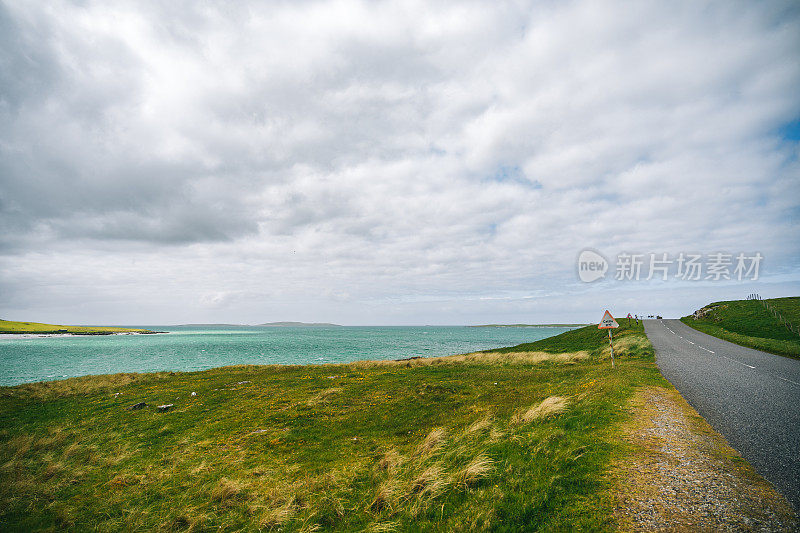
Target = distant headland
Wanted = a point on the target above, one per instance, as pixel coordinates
(9, 327)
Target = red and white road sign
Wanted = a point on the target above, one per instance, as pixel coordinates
(607, 322)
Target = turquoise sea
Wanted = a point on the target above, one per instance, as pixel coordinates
(184, 348)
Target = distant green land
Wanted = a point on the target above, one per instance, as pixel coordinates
(752, 324)
(11, 327)
(528, 326)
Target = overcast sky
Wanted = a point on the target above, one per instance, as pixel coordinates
(390, 162)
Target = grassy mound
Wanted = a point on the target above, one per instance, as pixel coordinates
(509, 440)
(749, 323)
(589, 339)
(8, 326)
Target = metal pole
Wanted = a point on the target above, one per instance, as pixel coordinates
(611, 344)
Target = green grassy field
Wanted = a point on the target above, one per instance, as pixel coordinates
(748, 323)
(507, 440)
(7, 326)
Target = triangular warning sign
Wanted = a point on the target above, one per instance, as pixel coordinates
(607, 322)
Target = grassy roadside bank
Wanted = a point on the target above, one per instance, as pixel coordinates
(748, 323)
(11, 327)
(505, 440)
(529, 437)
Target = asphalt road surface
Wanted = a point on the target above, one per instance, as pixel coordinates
(751, 397)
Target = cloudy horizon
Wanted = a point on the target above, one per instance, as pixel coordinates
(390, 163)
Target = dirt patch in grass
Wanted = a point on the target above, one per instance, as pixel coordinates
(681, 475)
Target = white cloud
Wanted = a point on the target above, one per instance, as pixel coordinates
(362, 161)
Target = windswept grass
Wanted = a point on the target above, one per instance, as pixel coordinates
(748, 323)
(481, 358)
(548, 407)
(513, 439)
(81, 385)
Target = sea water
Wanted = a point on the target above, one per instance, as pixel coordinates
(32, 358)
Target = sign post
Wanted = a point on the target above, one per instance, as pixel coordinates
(609, 323)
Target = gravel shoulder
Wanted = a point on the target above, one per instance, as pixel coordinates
(681, 475)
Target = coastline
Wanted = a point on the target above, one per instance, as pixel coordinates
(31, 334)
(34, 357)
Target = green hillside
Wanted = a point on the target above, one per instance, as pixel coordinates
(749, 323)
(7, 326)
(520, 439)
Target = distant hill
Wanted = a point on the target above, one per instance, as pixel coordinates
(299, 324)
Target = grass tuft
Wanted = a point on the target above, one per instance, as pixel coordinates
(280, 515)
(391, 461)
(229, 490)
(386, 498)
(477, 469)
(383, 527)
(548, 407)
(430, 483)
(432, 442)
(479, 426)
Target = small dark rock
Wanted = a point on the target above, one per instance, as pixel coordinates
(137, 406)
(166, 407)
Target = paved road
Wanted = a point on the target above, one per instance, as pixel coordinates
(751, 397)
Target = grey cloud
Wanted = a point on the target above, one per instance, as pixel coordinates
(27, 65)
(382, 150)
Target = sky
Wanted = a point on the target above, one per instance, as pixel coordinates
(393, 162)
